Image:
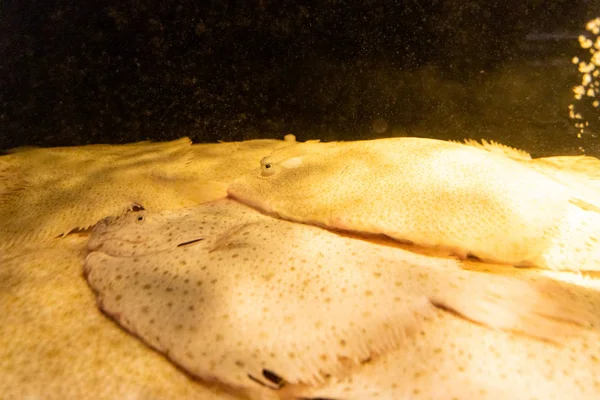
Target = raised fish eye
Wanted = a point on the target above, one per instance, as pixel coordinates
(268, 169)
(140, 218)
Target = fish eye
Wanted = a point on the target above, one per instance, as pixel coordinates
(268, 169)
(140, 218)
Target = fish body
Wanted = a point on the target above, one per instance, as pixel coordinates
(47, 192)
(56, 345)
(252, 294)
(454, 359)
(431, 193)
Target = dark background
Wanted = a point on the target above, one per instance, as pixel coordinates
(78, 72)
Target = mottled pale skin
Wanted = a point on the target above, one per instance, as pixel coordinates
(57, 190)
(432, 193)
(128, 235)
(49, 192)
(230, 297)
(452, 358)
(56, 345)
(224, 162)
(580, 173)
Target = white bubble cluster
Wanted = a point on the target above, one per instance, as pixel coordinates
(589, 71)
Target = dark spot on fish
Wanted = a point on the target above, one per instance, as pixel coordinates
(272, 377)
(190, 242)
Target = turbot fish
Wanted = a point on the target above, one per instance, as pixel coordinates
(254, 301)
(49, 192)
(434, 193)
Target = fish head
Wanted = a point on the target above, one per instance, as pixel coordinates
(125, 232)
(291, 182)
(140, 232)
(114, 224)
(145, 232)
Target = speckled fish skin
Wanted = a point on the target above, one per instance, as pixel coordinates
(452, 358)
(294, 299)
(49, 192)
(45, 193)
(431, 193)
(56, 345)
(127, 235)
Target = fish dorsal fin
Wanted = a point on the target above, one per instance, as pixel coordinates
(498, 148)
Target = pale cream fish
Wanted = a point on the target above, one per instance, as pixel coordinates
(452, 358)
(254, 302)
(49, 192)
(56, 345)
(496, 205)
